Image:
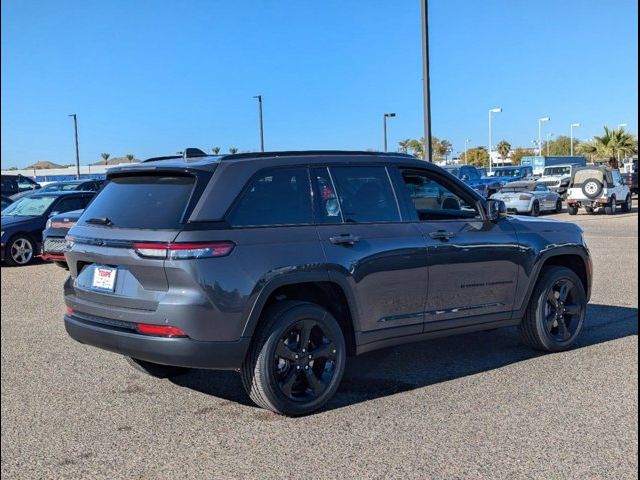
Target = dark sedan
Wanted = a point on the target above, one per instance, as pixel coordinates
(53, 237)
(24, 220)
(90, 185)
(6, 201)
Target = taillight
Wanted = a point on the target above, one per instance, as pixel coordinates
(182, 251)
(68, 310)
(525, 197)
(57, 224)
(159, 330)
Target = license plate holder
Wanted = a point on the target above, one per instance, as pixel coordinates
(104, 278)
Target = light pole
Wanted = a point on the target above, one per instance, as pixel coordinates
(540, 122)
(466, 150)
(573, 125)
(384, 122)
(75, 127)
(549, 135)
(259, 97)
(492, 111)
(426, 89)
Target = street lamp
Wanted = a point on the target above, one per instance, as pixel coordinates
(540, 122)
(75, 127)
(384, 121)
(491, 111)
(466, 150)
(573, 125)
(259, 97)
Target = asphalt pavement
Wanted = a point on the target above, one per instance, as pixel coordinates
(474, 406)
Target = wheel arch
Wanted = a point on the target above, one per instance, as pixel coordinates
(315, 289)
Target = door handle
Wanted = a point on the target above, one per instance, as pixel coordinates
(344, 239)
(442, 235)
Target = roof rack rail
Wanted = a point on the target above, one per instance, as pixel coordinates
(300, 153)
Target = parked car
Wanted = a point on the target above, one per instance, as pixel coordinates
(6, 201)
(512, 174)
(539, 163)
(470, 175)
(281, 264)
(66, 186)
(12, 184)
(53, 236)
(558, 177)
(529, 197)
(630, 176)
(24, 220)
(595, 187)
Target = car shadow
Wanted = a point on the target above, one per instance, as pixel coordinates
(399, 369)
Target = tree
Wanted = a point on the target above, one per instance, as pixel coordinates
(441, 148)
(129, 157)
(215, 150)
(560, 146)
(404, 145)
(477, 156)
(518, 153)
(503, 149)
(613, 144)
(233, 150)
(105, 156)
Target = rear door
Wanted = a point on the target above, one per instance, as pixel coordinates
(131, 212)
(370, 249)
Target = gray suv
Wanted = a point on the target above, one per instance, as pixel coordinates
(281, 265)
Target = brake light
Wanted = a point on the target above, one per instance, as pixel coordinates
(525, 197)
(68, 224)
(160, 330)
(68, 310)
(182, 251)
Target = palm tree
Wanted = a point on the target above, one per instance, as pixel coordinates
(105, 157)
(404, 145)
(129, 157)
(615, 142)
(503, 148)
(233, 150)
(416, 147)
(215, 150)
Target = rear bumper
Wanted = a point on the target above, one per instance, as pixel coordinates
(182, 352)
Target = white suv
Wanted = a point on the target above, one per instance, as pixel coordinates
(595, 187)
(558, 177)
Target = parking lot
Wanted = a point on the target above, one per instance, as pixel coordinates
(476, 406)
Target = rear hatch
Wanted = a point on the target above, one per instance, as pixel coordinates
(112, 251)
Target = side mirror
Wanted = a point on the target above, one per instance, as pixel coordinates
(53, 214)
(496, 209)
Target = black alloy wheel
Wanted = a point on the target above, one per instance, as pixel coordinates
(562, 312)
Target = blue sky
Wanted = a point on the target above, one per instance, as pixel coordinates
(150, 77)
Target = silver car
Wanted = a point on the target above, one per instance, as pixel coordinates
(529, 197)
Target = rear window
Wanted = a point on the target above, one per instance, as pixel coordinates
(582, 176)
(153, 202)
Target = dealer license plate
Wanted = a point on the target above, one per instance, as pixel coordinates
(104, 278)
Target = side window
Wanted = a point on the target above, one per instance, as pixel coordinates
(435, 201)
(541, 188)
(365, 194)
(69, 204)
(25, 184)
(279, 197)
(472, 173)
(326, 204)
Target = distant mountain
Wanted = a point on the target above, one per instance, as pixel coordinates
(43, 164)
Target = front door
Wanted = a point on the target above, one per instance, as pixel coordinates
(472, 262)
(370, 251)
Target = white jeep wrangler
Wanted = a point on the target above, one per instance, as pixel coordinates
(596, 187)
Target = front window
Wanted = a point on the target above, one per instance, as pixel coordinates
(28, 207)
(434, 201)
(557, 171)
(511, 172)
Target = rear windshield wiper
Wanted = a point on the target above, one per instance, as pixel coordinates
(100, 221)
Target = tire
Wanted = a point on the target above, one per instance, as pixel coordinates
(535, 209)
(590, 210)
(20, 251)
(279, 373)
(627, 205)
(559, 206)
(592, 188)
(611, 207)
(552, 328)
(155, 369)
(573, 210)
(61, 264)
